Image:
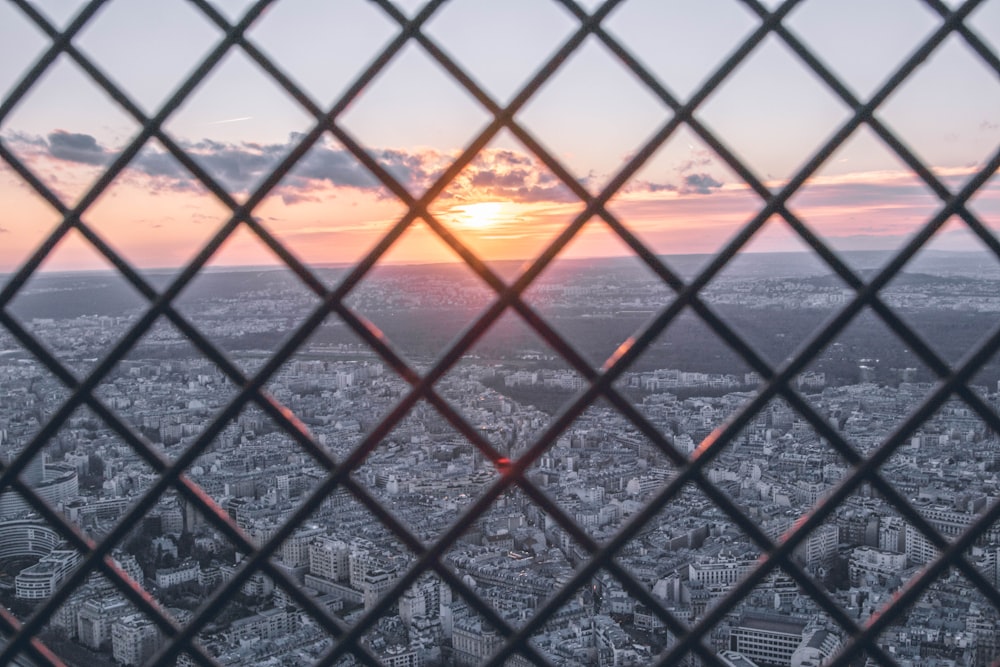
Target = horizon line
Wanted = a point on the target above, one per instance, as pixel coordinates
(278, 265)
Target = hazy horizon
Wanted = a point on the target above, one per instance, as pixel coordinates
(277, 265)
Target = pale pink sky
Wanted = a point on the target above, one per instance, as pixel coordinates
(592, 116)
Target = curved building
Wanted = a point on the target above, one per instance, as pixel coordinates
(40, 581)
(27, 537)
(11, 503)
(60, 485)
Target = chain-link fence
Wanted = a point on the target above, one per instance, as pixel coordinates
(778, 381)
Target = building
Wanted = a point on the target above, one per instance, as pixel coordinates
(734, 659)
(816, 649)
(376, 582)
(27, 537)
(267, 624)
(167, 577)
(134, 639)
(60, 485)
(767, 640)
(723, 571)
(131, 567)
(868, 562)
(361, 560)
(472, 642)
(820, 546)
(919, 549)
(402, 656)
(295, 550)
(95, 618)
(40, 581)
(11, 503)
(892, 535)
(329, 559)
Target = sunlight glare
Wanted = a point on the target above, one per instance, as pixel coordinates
(481, 215)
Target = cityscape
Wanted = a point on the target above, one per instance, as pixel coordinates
(444, 333)
(601, 470)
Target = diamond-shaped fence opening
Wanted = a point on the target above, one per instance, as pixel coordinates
(509, 555)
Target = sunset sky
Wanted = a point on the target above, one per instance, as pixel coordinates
(592, 115)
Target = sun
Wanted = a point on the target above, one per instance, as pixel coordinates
(480, 215)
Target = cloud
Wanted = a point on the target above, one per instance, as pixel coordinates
(157, 163)
(688, 176)
(504, 175)
(22, 139)
(336, 167)
(874, 189)
(488, 178)
(494, 174)
(511, 158)
(700, 158)
(238, 167)
(649, 186)
(76, 147)
(410, 169)
(699, 184)
(290, 197)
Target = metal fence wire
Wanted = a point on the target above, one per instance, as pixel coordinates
(22, 637)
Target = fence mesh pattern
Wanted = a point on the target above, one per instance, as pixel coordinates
(953, 379)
